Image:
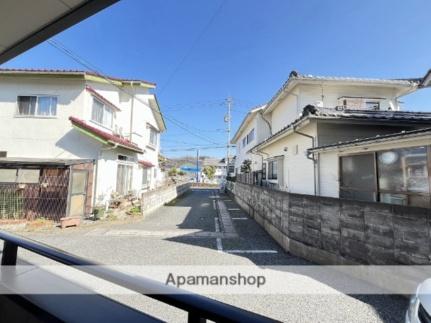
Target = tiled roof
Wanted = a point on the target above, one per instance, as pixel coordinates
(111, 138)
(145, 163)
(378, 138)
(312, 112)
(322, 113)
(101, 98)
(403, 81)
(68, 72)
(297, 77)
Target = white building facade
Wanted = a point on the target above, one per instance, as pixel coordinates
(71, 115)
(393, 168)
(253, 130)
(311, 111)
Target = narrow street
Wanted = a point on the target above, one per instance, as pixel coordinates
(205, 227)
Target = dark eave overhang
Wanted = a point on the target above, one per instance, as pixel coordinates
(63, 22)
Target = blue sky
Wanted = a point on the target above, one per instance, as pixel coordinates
(200, 52)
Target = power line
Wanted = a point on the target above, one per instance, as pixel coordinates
(194, 148)
(192, 47)
(94, 69)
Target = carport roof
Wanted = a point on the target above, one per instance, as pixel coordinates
(14, 161)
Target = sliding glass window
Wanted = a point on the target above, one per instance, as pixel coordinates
(403, 176)
(358, 179)
(397, 176)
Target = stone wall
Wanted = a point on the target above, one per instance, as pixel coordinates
(336, 231)
(153, 199)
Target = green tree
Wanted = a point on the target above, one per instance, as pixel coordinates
(172, 172)
(209, 171)
(246, 166)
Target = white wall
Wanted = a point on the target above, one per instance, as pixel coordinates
(288, 109)
(261, 132)
(298, 173)
(43, 137)
(285, 113)
(328, 174)
(311, 94)
(142, 115)
(54, 137)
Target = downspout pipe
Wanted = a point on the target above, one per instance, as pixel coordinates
(309, 156)
(267, 122)
(132, 106)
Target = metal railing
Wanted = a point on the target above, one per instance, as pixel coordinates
(255, 178)
(199, 308)
(45, 198)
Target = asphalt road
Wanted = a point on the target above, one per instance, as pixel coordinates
(186, 233)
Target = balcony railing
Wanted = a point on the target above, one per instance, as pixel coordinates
(255, 178)
(199, 308)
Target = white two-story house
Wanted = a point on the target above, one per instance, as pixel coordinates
(55, 118)
(311, 111)
(252, 130)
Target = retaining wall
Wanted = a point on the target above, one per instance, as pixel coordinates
(336, 231)
(151, 200)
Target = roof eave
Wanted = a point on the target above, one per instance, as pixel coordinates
(72, 17)
(371, 141)
(278, 136)
(405, 87)
(248, 118)
(154, 105)
(103, 141)
(116, 144)
(245, 122)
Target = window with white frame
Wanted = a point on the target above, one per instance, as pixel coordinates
(146, 174)
(37, 105)
(124, 178)
(102, 114)
(153, 136)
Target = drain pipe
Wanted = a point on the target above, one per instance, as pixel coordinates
(132, 112)
(267, 122)
(311, 158)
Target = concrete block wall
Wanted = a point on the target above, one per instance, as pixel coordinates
(153, 199)
(336, 231)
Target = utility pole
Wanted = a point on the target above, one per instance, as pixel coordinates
(197, 165)
(227, 119)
